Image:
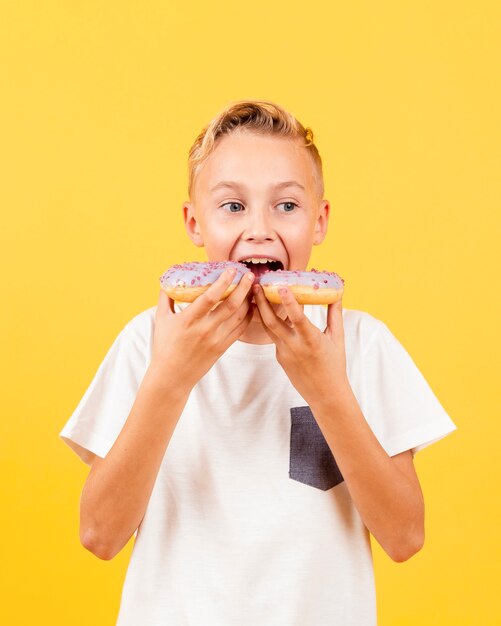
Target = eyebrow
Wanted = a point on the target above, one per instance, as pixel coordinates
(235, 185)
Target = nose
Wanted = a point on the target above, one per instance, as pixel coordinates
(259, 227)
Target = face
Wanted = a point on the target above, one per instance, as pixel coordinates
(256, 197)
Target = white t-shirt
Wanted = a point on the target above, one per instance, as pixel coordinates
(250, 521)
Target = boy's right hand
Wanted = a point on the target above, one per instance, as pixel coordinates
(187, 344)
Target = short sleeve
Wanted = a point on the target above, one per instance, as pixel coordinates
(101, 413)
(398, 403)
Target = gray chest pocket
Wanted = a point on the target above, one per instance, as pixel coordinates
(311, 459)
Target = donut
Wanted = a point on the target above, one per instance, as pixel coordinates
(186, 281)
(314, 287)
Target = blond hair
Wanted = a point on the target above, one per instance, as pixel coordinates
(260, 116)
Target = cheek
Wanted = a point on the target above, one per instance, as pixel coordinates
(219, 239)
(299, 232)
(299, 243)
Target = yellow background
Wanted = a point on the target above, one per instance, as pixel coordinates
(100, 103)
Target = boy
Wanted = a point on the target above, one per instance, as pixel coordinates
(253, 446)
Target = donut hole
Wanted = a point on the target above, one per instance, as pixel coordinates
(258, 269)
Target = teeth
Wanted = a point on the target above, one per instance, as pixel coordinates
(254, 260)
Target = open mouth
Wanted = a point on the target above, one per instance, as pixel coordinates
(260, 266)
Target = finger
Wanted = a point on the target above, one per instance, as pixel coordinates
(226, 326)
(165, 303)
(270, 319)
(270, 334)
(240, 328)
(214, 294)
(335, 324)
(294, 310)
(234, 301)
(171, 304)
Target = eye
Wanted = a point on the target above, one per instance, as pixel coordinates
(290, 206)
(232, 205)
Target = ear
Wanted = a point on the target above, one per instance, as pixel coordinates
(321, 223)
(191, 224)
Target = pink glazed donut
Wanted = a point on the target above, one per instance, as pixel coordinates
(313, 287)
(185, 282)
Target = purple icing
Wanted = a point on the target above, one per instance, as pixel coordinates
(181, 274)
(198, 274)
(314, 278)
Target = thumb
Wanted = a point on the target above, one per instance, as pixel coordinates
(165, 304)
(335, 319)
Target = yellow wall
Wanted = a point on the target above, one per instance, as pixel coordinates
(100, 103)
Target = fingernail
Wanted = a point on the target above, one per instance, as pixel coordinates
(250, 276)
(255, 288)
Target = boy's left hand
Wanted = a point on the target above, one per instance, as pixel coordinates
(314, 361)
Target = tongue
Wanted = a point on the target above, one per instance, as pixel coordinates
(259, 268)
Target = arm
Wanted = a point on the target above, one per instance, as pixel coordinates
(385, 490)
(185, 346)
(118, 487)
